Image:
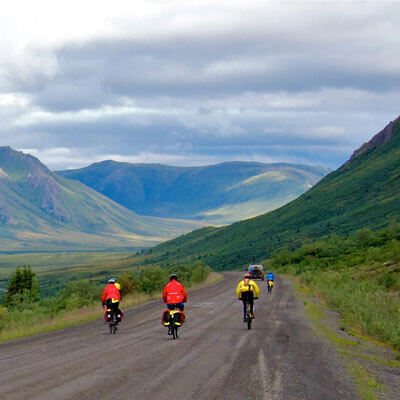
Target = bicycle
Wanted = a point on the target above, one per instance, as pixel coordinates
(112, 319)
(270, 285)
(248, 316)
(174, 321)
(113, 324)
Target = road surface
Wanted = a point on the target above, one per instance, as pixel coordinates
(216, 357)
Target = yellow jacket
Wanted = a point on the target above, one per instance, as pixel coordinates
(244, 286)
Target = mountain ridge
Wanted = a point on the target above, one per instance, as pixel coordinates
(217, 194)
(378, 140)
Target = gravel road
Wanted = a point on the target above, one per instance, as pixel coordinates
(216, 356)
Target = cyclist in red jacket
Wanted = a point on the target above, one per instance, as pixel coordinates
(174, 293)
(111, 296)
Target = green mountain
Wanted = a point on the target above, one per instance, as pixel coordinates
(364, 192)
(40, 210)
(216, 194)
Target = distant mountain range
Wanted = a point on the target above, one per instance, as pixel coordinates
(215, 194)
(41, 210)
(364, 192)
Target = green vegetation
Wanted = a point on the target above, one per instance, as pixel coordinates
(25, 314)
(55, 270)
(357, 275)
(364, 192)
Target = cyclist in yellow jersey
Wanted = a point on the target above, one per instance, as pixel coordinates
(247, 290)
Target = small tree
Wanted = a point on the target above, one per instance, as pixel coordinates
(200, 272)
(365, 237)
(128, 283)
(23, 286)
(152, 279)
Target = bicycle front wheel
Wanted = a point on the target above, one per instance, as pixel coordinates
(248, 316)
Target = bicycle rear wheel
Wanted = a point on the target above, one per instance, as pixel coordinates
(175, 332)
(248, 322)
(113, 324)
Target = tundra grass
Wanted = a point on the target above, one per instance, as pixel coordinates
(351, 348)
(41, 324)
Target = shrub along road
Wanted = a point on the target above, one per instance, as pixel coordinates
(216, 357)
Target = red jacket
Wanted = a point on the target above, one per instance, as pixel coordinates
(174, 292)
(110, 292)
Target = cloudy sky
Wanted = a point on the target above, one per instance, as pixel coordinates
(196, 82)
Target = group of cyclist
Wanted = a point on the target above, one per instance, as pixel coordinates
(174, 294)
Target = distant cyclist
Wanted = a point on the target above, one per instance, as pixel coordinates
(111, 296)
(270, 281)
(174, 293)
(270, 276)
(247, 291)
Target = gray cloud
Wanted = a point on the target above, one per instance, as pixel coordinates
(304, 82)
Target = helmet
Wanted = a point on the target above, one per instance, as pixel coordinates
(173, 276)
(112, 280)
(117, 285)
(247, 276)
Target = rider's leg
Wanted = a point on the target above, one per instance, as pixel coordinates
(244, 310)
(115, 307)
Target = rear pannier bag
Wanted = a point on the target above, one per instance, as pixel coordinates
(165, 317)
(107, 315)
(180, 317)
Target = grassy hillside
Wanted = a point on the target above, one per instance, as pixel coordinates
(217, 194)
(364, 192)
(40, 210)
(359, 276)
